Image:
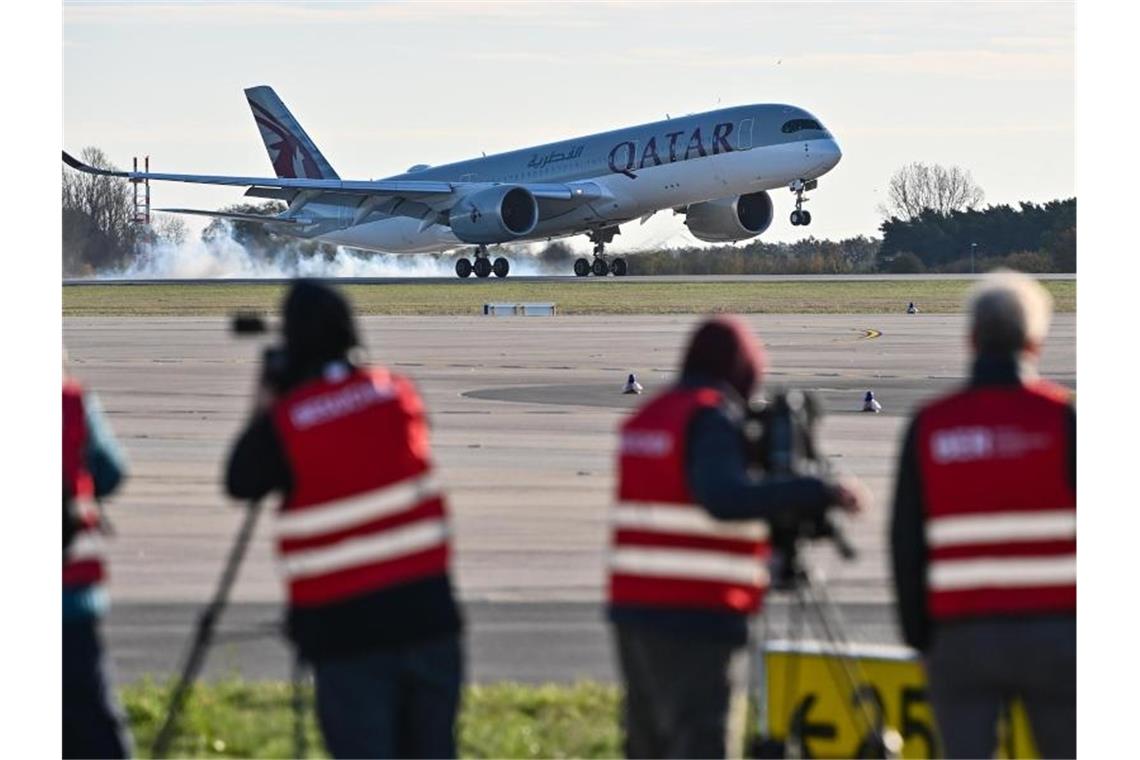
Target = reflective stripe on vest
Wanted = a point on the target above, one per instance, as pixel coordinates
(1000, 513)
(668, 551)
(366, 512)
(84, 560)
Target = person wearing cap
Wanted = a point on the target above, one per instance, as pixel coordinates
(983, 533)
(689, 547)
(93, 467)
(361, 534)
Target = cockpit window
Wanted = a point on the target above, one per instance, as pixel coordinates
(795, 125)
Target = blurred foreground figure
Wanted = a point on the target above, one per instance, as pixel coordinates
(361, 533)
(984, 534)
(93, 467)
(690, 546)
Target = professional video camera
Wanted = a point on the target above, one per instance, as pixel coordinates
(274, 361)
(781, 435)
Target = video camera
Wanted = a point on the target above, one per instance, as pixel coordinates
(275, 368)
(781, 435)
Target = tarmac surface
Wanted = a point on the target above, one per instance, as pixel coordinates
(448, 279)
(524, 413)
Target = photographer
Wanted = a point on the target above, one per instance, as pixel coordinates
(93, 467)
(361, 534)
(690, 544)
(983, 534)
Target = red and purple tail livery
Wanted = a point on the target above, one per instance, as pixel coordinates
(291, 151)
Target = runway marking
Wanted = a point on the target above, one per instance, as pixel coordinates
(865, 333)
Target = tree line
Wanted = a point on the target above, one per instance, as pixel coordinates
(99, 230)
(1032, 237)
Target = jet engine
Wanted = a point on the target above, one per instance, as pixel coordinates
(494, 215)
(723, 220)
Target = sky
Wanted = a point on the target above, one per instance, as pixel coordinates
(380, 87)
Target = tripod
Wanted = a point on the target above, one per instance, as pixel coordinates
(810, 596)
(203, 638)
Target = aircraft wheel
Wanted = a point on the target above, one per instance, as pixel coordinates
(600, 267)
(796, 218)
(463, 268)
(805, 218)
(482, 267)
(581, 268)
(501, 267)
(618, 267)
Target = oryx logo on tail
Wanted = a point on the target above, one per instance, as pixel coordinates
(291, 151)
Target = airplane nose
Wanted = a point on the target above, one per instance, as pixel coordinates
(832, 152)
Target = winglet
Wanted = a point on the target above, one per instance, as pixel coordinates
(75, 163)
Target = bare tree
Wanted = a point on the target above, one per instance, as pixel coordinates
(170, 229)
(919, 187)
(97, 218)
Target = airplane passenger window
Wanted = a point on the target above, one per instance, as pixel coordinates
(795, 125)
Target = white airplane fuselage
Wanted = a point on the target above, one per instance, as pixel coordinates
(671, 185)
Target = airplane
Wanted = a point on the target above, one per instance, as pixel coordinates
(715, 167)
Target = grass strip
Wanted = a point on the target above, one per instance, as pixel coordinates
(609, 296)
(236, 718)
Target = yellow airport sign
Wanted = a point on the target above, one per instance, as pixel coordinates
(805, 686)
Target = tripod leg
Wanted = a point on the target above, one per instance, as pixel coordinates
(867, 701)
(204, 633)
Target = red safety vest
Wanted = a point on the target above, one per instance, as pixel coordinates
(83, 564)
(668, 551)
(1001, 515)
(365, 512)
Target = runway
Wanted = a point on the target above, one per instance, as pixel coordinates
(551, 278)
(524, 413)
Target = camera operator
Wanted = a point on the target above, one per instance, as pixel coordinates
(687, 567)
(361, 534)
(93, 467)
(983, 534)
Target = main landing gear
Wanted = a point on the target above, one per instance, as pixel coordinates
(799, 187)
(601, 266)
(482, 266)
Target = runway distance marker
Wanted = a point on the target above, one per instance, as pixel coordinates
(812, 694)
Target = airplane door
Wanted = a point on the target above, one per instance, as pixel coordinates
(744, 135)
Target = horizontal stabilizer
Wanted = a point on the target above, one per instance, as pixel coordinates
(259, 218)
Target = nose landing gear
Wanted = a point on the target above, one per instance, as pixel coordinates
(800, 216)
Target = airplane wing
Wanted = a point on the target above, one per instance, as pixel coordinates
(410, 189)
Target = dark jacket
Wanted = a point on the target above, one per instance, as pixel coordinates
(717, 471)
(412, 612)
(908, 521)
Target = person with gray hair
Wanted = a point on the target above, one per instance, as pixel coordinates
(983, 533)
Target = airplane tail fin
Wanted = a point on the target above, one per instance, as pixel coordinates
(291, 151)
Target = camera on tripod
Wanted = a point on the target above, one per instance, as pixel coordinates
(275, 369)
(781, 434)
